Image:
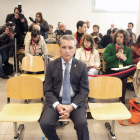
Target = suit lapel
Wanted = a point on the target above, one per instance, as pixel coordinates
(60, 71)
(73, 69)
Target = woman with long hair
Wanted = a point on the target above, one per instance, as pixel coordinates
(89, 55)
(36, 46)
(43, 25)
(136, 51)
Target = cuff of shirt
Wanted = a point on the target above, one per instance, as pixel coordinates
(125, 59)
(74, 105)
(55, 104)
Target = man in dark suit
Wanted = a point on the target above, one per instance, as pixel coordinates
(66, 89)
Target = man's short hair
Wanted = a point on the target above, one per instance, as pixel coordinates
(16, 8)
(131, 24)
(114, 30)
(80, 23)
(96, 26)
(10, 23)
(51, 25)
(126, 36)
(68, 37)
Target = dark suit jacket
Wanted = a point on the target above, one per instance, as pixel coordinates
(78, 80)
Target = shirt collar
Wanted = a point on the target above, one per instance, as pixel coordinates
(63, 62)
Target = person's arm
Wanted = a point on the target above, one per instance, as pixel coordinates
(83, 88)
(24, 25)
(107, 57)
(44, 26)
(3, 34)
(48, 87)
(129, 59)
(27, 49)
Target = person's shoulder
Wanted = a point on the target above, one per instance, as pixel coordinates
(127, 48)
(110, 45)
(12, 14)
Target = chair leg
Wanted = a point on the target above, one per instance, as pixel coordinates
(111, 130)
(17, 131)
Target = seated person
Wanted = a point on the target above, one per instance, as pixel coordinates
(51, 35)
(96, 31)
(107, 39)
(63, 31)
(57, 29)
(36, 46)
(28, 34)
(89, 55)
(96, 40)
(118, 55)
(89, 28)
(136, 51)
(109, 30)
(66, 88)
(81, 31)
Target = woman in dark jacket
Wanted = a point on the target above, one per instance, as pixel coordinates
(43, 25)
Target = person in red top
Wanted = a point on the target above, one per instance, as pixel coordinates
(136, 51)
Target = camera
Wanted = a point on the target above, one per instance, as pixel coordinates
(21, 16)
(11, 30)
(34, 21)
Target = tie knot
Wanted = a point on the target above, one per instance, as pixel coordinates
(67, 65)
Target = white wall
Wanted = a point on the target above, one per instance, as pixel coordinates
(67, 11)
(138, 22)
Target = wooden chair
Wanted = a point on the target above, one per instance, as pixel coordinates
(33, 64)
(22, 87)
(101, 50)
(54, 50)
(107, 88)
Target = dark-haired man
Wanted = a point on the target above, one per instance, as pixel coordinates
(21, 25)
(107, 39)
(81, 29)
(117, 55)
(130, 26)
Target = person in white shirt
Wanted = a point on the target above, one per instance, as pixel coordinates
(89, 55)
(89, 28)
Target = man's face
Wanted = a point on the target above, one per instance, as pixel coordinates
(67, 49)
(16, 11)
(130, 26)
(88, 23)
(62, 27)
(83, 28)
(51, 29)
(59, 25)
(120, 38)
(95, 29)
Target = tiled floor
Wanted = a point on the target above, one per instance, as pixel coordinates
(97, 129)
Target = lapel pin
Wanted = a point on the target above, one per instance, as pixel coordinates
(74, 65)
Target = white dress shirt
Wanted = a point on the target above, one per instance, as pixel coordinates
(61, 91)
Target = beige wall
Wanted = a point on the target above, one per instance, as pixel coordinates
(69, 12)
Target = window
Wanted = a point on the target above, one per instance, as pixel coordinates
(116, 5)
